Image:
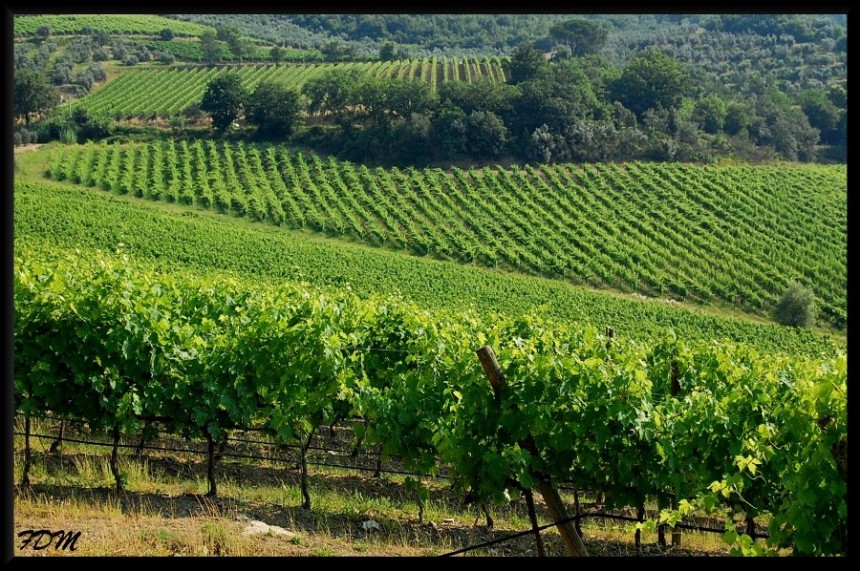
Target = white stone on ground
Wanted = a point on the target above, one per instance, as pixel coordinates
(256, 527)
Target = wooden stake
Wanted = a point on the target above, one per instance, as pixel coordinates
(676, 533)
(114, 459)
(573, 543)
(210, 472)
(25, 477)
(640, 516)
(55, 445)
(306, 496)
(530, 503)
(661, 528)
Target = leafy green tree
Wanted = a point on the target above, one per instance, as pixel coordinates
(581, 37)
(651, 79)
(783, 126)
(710, 113)
(525, 63)
(226, 33)
(334, 93)
(210, 47)
(558, 97)
(101, 37)
(486, 135)
(481, 95)
(91, 127)
(43, 32)
(449, 131)
(738, 117)
(274, 108)
(407, 96)
(166, 34)
(821, 112)
(32, 94)
(388, 51)
(796, 307)
(276, 54)
(223, 100)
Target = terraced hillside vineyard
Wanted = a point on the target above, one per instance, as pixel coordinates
(58, 217)
(733, 234)
(164, 92)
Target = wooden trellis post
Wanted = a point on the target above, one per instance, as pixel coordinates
(572, 542)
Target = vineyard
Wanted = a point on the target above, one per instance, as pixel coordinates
(125, 23)
(220, 332)
(713, 427)
(191, 50)
(736, 235)
(164, 92)
(62, 217)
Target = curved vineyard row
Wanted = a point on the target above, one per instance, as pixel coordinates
(738, 235)
(715, 426)
(63, 217)
(162, 92)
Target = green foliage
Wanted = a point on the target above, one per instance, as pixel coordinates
(210, 47)
(486, 134)
(581, 37)
(124, 23)
(274, 108)
(276, 54)
(822, 113)
(525, 63)
(743, 429)
(710, 114)
(224, 99)
(425, 212)
(68, 136)
(651, 79)
(796, 307)
(32, 94)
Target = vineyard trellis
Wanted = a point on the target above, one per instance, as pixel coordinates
(150, 442)
(168, 91)
(212, 355)
(582, 223)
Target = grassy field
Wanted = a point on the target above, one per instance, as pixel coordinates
(163, 511)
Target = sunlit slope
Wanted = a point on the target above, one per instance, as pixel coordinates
(735, 235)
(163, 92)
(125, 23)
(58, 217)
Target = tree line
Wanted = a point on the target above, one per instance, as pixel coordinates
(572, 109)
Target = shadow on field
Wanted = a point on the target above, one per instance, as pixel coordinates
(343, 524)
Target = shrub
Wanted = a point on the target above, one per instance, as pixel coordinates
(69, 136)
(796, 307)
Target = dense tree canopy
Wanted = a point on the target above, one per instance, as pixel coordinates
(210, 47)
(525, 63)
(651, 79)
(274, 108)
(223, 100)
(32, 94)
(581, 37)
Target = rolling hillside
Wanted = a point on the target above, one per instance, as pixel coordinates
(729, 235)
